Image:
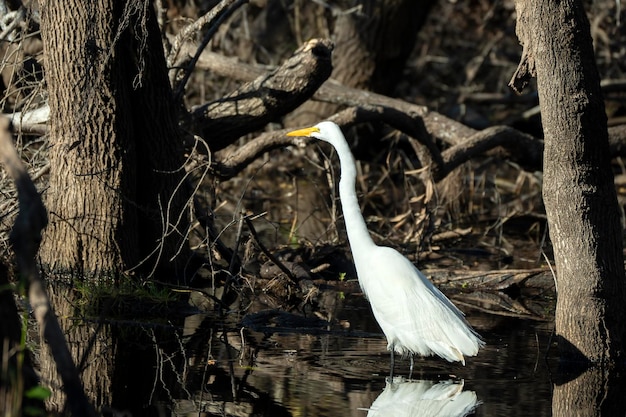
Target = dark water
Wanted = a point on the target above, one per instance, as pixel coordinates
(326, 380)
(273, 363)
(225, 369)
(338, 375)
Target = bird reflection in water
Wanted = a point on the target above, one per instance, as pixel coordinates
(402, 397)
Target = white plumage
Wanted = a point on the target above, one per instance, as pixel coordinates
(414, 315)
(424, 399)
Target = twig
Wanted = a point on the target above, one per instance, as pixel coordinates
(224, 10)
(233, 260)
(269, 254)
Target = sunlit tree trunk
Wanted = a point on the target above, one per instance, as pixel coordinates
(116, 195)
(578, 188)
(115, 152)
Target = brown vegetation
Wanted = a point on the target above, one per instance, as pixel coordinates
(450, 158)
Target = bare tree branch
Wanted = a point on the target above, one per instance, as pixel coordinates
(439, 126)
(215, 17)
(501, 140)
(265, 99)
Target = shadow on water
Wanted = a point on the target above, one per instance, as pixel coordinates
(272, 363)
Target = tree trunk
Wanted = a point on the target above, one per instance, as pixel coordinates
(116, 196)
(595, 392)
(115, 152)
(578, 189)
(372, 44)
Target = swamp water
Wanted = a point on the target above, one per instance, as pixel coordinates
(279, 366)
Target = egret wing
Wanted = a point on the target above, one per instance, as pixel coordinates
(414, 315)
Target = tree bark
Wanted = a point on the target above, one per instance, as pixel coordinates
(578, 189)
(87, 149)
(372, 44)
(595, 392)
(115, 151)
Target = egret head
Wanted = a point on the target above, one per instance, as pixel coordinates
(326, 131)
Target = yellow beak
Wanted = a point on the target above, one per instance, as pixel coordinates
(304, 132)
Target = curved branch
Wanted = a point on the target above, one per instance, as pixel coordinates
(501, 140)
(241, 157)
(512, 144)
(235, 162)
(265, 99)
(439, 126)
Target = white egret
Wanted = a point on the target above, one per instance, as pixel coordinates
(414, 315)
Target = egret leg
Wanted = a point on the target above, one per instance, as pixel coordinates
(411, 367)
(392, 365)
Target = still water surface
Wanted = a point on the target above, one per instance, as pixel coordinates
(343, 376)
(343, 373)
(280, 364)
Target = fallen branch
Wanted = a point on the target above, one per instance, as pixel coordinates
(496, 280)
(465, 142)
(506, 141)
(267, 98)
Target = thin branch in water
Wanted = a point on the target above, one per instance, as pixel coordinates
(25, 238)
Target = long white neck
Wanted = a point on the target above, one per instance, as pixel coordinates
(358, 235)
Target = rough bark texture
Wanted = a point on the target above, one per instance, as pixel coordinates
(88, 155)
(116, 194)
(579, 194)
(115, 152)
